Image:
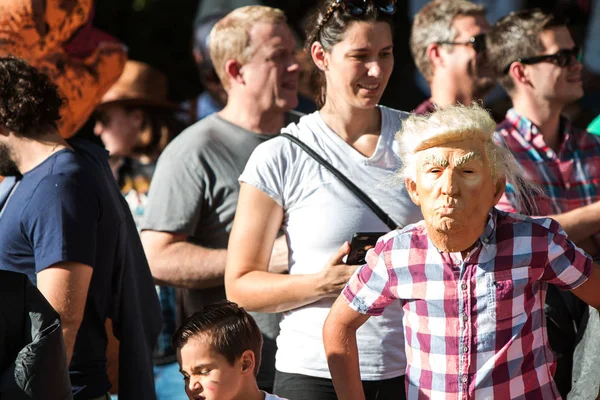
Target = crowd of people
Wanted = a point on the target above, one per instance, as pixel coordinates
(205, 252)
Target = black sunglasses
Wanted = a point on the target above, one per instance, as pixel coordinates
(477, 41)
(359, 7)
(562, 58)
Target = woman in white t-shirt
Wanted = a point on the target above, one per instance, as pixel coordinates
(283, 187)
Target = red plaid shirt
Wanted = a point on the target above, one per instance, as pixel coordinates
(570, 178)
(474, 328)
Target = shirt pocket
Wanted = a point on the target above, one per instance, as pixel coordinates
(506, 292)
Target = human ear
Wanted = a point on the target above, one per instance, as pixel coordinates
(518, 72)
(500, 188)
(434, 54)
(411, 188)
(319, 56)
(248, 361)
(233, 71)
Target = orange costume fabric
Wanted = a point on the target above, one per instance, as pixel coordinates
(57, 37)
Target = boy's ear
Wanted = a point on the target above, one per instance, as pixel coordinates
(248, 361)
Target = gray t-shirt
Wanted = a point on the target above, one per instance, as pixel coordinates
(195, 191)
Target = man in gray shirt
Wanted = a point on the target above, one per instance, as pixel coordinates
(194, 191)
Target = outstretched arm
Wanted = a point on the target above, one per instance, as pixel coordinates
(339, 337)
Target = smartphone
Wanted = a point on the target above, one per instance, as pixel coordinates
(360, 244)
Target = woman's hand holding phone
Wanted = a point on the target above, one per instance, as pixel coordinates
(336, 273)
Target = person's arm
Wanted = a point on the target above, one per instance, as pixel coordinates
(65, 286)
(247, 279)
(581, 223)
(339, 338)
(589, 291)
(176, 262)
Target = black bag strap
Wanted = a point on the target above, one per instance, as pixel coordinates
(353, 188)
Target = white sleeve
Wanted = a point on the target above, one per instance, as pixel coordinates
(264, 169)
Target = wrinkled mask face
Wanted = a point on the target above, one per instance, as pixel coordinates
(8, 166)
(454, 186)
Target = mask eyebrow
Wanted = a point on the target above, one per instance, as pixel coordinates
(435, 161)
(472, 155)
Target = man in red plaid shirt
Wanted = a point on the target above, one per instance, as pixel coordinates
(539, 65)
(472, 279)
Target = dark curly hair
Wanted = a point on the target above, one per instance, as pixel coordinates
(29, 101)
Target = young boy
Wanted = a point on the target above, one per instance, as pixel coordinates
(218, 350)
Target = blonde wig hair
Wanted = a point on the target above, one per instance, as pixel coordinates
(455, 123)
(434, 24)
(230, 37)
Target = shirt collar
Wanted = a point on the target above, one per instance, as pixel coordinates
(528, 130)
(490, 227)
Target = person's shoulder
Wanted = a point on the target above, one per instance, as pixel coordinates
(504, 127)
(525, 225)
(197, 138)
(402, 238)
(584, 139)
(394, 113)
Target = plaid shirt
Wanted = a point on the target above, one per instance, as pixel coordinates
(571, 178)
(474, 328)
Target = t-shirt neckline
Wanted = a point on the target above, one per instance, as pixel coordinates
(351, 151)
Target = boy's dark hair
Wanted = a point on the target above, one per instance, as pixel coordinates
(226, 327)
(29, 101)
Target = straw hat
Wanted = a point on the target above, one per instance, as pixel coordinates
(139, 84)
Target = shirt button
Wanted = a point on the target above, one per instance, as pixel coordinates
(465, 317)
(567, 185)
(463, 286)
(486, 240)
(463, 379)
(465, 349)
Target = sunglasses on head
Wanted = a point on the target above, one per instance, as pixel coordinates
(359, 7)
(562, 58)
(477, 42)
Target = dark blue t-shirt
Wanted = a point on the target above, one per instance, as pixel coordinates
(61, 211)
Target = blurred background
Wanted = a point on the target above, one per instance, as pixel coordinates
(159, 32)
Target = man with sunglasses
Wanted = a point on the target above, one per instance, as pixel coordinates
(538, 64)
(448, 46)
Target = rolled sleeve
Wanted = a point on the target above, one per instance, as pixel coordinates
(368, 290)
(568, 266)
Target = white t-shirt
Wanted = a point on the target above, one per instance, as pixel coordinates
(269, 396)
(320, 214)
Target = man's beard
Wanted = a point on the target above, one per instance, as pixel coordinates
(8, 166)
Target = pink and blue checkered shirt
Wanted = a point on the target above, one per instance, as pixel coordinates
(571, 178)
(474, 328)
